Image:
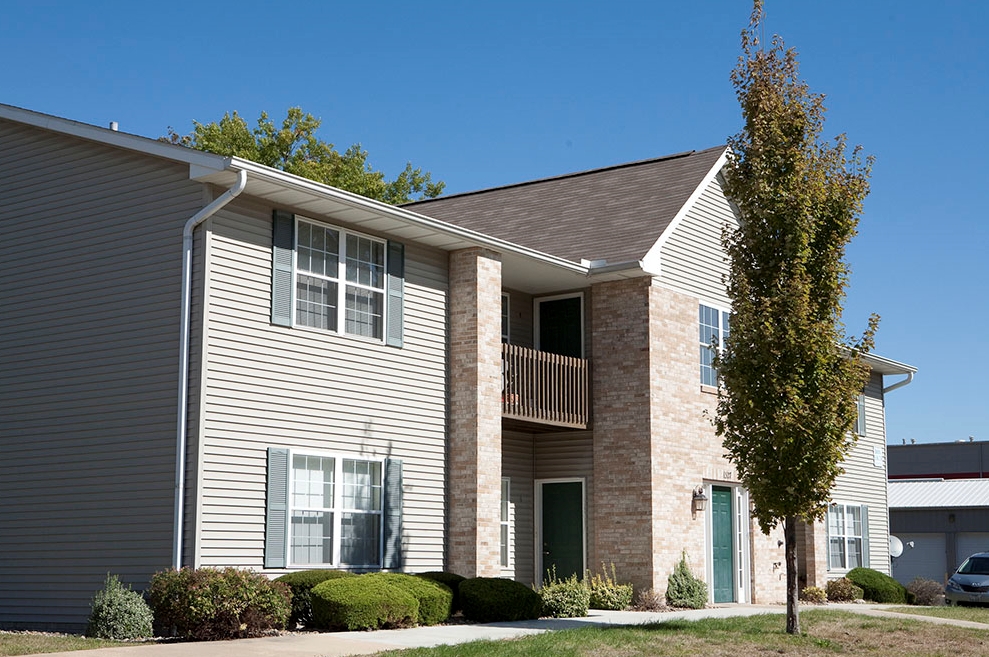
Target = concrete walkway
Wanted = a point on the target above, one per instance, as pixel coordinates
(340, 644)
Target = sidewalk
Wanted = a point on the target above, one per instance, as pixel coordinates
(341, 644)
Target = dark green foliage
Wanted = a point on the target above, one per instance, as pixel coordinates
(118, 613)
(878, 587)
(295, 148)
(567, 598)
(450, 579)
(301, 584)
(925, 592)
(210, 603)
(491, 599)
(435, 599)
(607, 593)
(362, 603)
(843, 590)
(685, 590)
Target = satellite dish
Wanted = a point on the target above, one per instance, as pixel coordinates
(895, 546)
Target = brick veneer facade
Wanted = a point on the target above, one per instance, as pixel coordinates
(474, 493)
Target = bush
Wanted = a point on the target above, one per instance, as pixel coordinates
(843, 590)
(685, 590)
(925, 592)
(491, 599)
(362, 603)
(119, 613)
(650, 600)
(210, 603)
(814, 594)
(450, 579)
(568, 598)
(878, 587)
(607, 593)
(435, 599)
(301, 584)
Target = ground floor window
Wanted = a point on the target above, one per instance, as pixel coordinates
(506, 487)
(847, 532)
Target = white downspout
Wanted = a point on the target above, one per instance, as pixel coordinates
(181, 437)
(899, 384)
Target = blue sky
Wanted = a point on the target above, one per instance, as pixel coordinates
(484, 94)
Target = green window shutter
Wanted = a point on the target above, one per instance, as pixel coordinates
(276, 517)
(392, 558)
(282, 247)
(865, 536)
(396, 294)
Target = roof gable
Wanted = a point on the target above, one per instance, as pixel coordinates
(614, 214)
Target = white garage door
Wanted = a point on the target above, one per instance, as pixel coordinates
(968, 543)
(927, 558)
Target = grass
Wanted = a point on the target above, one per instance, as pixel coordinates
(824, 633)
(33, 643)
(974, 614)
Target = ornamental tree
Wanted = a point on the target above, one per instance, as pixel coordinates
(790, 377)
(295, 148)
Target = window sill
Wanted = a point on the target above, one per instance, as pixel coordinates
(709, 390)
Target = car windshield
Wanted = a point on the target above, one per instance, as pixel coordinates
(975, 566)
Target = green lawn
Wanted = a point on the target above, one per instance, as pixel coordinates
(32, 643)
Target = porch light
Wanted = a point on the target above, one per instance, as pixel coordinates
(700, 500)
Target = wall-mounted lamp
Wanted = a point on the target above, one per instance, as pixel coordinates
(700, 500)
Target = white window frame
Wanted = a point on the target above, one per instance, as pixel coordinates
(337, 508)
(340, 279)
(860, 426)
(536, 306)
(847, 535)
(505, 526)
(722, 314)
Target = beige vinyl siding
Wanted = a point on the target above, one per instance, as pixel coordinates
(270, 386)
(865, 483)
(517, 464)
(692, 260)
(520, 318)
(90, 288)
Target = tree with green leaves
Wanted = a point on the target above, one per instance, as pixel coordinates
(295, 148)
(790, 376)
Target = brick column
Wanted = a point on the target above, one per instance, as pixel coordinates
(473, 533)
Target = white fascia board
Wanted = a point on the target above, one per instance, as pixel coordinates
(471, 238)
(651, 261)
(112, 137)
(887, 365)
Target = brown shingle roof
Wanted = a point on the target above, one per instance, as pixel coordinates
(615, 214)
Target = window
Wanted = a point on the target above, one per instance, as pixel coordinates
(339, 280)
(332, 510)
(505, 520)
(847, 536)
(505, 309)
(713, 324)
(860, 419)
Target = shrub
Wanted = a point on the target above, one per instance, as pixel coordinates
(210, 603)
(118, 613)
(650, 600)
(925, 591)
(843, 590)
(685, 590)
(814, 594)
(491, 599)
(362, 603)
(301, 584)
(435, 599)
(878, 587)
(450, 579)
(567, 598)
(607, 593)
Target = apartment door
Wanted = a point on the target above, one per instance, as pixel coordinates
(722, 543)
(561, 527)
(559, 325)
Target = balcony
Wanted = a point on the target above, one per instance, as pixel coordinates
(543, 388)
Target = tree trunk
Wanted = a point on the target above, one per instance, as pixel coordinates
(792, 592)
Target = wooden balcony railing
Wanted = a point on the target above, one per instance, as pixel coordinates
(543, 387)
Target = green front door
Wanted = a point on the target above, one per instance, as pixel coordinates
(722, 540)
(563, 528)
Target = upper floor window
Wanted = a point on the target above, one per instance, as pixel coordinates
(505, 310)
(860, 418)
(713, 324)
(339, 281)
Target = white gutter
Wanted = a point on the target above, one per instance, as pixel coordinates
(899, 384)
(181, 437)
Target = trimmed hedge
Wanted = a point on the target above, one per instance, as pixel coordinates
(491, 599)
(362, 603)
(435, 599)
(878, 587)
(450, 579)
(301, 584)
(842, 590)
(209, 603)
